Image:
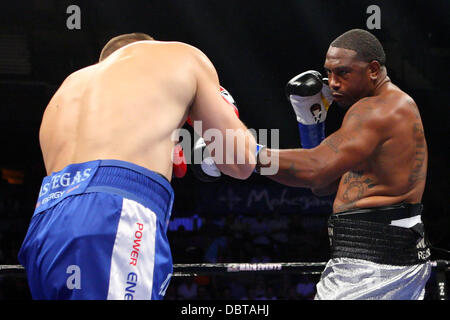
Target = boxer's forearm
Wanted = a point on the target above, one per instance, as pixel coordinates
(240, 159)
(296, 167)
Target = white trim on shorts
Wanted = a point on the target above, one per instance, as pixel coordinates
(133, 255)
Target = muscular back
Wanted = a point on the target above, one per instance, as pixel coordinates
(394, 168)
(127, 107)
(124, 108)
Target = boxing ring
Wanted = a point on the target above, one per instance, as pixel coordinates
(441, 267)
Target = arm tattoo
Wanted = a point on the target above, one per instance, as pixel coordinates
(333, 142)
(420, 154)
(356, 117)
(415, 109)
(292, 170)
(360, 114)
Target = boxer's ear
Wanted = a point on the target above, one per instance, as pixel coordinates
(374, 69)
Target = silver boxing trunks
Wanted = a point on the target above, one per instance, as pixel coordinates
(376, 254)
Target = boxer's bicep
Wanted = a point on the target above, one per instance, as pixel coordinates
(216, 121)
(208, 106)
(351, 145)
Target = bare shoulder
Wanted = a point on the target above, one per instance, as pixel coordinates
(199, 55)
(83, 72)
(185, 47)
(367, 112)
(77, 77)
(173, 46)
(405, 104)
(179, 50)
(399, 106)
(199, 60)
(384, 110)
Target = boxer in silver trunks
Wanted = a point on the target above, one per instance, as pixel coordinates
(376, 164)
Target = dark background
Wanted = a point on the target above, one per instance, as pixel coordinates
(256, 47)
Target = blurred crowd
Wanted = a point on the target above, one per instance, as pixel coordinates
(258, 238)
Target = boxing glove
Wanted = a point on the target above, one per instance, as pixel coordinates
(179, 162)
(207, 170)
(310, 98)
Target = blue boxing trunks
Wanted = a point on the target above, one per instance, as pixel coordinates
(99, 232)
(376, 254)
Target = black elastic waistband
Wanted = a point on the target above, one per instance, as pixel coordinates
(367, 234)
(384, 214)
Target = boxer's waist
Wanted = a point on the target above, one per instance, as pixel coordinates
(386, 214)
(111, 176)
(388, 235)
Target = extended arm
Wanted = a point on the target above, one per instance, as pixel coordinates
(360, 133)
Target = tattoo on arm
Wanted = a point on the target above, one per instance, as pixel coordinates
(417, 172)
(334, 141)
(292, 170)
(356, 118)
(415, 109)
(359, 115)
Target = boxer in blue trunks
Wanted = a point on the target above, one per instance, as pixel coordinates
(99, 227)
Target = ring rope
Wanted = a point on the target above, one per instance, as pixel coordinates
(311, 268)
(267, 267)
(196, 269)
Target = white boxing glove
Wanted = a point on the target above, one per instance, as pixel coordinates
(310, 98)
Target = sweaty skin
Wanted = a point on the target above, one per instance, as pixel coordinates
(127, 106)
(378, 156)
